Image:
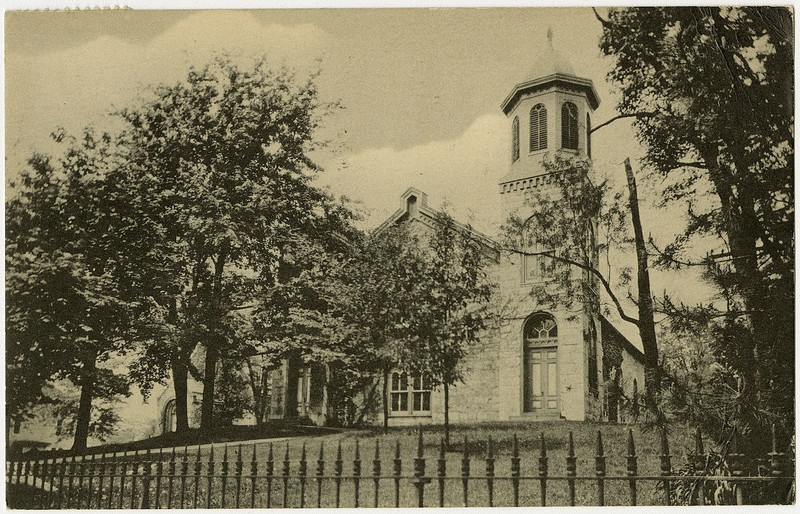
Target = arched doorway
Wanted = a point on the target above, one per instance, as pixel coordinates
(169, 421)
(540, 375)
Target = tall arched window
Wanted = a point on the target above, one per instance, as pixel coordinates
(588, 135)
(569, 126)
(515, 139)
(538, 128)
(540, 335)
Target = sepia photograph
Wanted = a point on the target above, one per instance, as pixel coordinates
(399, 257)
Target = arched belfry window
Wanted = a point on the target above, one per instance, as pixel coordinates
(538, 128)
(569, 126)
(515, 139)
(588, 135)
(541, 329)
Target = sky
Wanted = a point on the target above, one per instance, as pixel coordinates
(419, 92)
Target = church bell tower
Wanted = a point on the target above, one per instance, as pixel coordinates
(552, 364)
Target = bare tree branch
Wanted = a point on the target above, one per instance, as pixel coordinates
(590, 269)
(622, 116)
(603, 22)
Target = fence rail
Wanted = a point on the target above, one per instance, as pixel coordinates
(183, 478)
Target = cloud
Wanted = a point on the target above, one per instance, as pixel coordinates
(462, 172)
(80, 85)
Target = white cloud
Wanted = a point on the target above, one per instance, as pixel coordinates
(462, 172)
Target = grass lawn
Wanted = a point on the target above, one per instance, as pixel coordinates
(556, 437)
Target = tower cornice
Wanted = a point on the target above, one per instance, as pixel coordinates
(558, 80)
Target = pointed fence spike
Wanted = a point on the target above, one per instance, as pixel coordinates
(270, 456)
(212, 452)
(571, 445)
(339, 451)
(358, 453)
(631, 445)
(225, 452)
(542, 446)
(377, 450)
(321, 451)
(419, 442)
(514, 446)
(599, 444)
(664, 443)
(397, 449)
(466, 449)
(239, 453)
(303, 451)
(286, 455)
(441, 448)
(489, 448)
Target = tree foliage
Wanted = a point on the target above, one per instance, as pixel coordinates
(711, 92)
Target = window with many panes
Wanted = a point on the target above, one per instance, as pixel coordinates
(515, 139)
(569, 126)
(410, 395)
(539, 264)
(538, 128)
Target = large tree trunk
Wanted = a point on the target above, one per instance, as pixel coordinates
(647, 326)
(88, 377)
(180, 374)
(209, 377)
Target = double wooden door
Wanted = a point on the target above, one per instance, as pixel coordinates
(541, 380)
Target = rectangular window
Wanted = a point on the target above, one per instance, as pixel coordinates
(410, 395)
(540, 266)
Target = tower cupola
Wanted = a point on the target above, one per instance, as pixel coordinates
(549, 111)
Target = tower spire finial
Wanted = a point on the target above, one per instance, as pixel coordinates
(550, 36)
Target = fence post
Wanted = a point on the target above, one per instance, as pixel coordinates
(337, 472)
(123, 476)
(441, 470)
(465, 472)
(398, 469)
(600, 470)
(270, 472)
(666, 466)
(285, 475)
(376, 472)
(134, 478)
(775, 468)
(632, 472)
(320, 473)
(51, 473)
(198, 470)
(542, 470)
(62, 471)
(210, 478)
(238, 472)
(302, 472)
(70, 477)
(356, 475)
(253, 475)
(184, 474)
(571, 469)
(699, 465)
(419, 471)
(144, 503)
(171, 469)
(515, 469)
(490, 471)
(81, 475)
(224, 477)
(736, 468)
(159, 474)
(112, 472)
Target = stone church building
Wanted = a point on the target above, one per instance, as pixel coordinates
(542, 364)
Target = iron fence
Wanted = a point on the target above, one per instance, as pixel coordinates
(239, 476)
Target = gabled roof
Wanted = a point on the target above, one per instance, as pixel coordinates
(607, 329)
(415, 207)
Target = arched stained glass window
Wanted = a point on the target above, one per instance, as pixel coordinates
(541, 327)
(515, 139)
(569, 126)
(538, 128)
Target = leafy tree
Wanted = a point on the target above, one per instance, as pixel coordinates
(223, 155)
(455, 305)
(567, 227)
(710, 91)
(72, 283)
